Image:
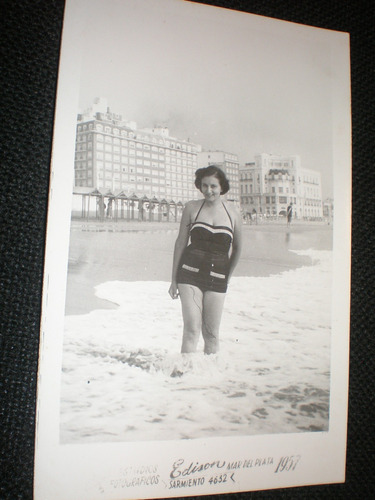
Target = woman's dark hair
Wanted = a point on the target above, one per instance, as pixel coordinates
(216, 172)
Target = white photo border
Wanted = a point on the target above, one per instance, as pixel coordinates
(102, 470)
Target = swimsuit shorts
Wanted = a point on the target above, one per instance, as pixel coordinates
(207, 270)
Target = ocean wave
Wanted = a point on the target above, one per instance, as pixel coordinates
(125, 379)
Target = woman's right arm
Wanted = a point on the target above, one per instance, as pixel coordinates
(179, 247)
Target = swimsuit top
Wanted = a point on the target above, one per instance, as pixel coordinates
(211, 238)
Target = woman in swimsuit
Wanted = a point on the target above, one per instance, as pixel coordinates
(202, 268)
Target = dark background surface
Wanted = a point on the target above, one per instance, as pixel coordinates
(30, 42)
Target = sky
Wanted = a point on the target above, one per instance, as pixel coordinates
(227, 80)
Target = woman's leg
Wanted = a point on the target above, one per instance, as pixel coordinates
(192, 306)
(213, 303)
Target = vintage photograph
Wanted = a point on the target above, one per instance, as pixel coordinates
(202, 215)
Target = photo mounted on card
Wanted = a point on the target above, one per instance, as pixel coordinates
(195, 326)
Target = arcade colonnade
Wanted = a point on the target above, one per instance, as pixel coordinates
(95, 205)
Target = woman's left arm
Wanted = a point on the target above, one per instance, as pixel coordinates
(236, 243)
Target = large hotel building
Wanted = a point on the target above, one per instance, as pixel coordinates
(270, 183)
(116, 159)
(114, 156)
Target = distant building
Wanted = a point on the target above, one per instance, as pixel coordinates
(113, 155)
(228, 162)
(270, 183)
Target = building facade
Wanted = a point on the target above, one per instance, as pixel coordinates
(229, 163)
(113, 155)
(270, 183)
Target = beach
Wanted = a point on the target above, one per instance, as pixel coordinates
(123, 378)
(132, 251)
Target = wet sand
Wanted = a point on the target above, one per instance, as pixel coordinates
(143, 252)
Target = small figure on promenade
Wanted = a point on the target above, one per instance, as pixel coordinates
(109, 209)
(201, 269)
(289, 214)
(102, 207)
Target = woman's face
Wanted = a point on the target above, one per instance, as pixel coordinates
(210, 188)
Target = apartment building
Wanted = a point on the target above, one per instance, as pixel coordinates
(114, 155)
(270, 183)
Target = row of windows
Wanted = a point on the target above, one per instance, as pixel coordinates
(83, 175)
(139, 145)
(313, 203)
(278, 163)
(311, 180)
(83, 138)
(84, 183)
(246, 200)
(141, 163)
(154, 168)
(115, 167)
(83, 147)
(135, 176)
(132, 152)
(279, 177)
(245, 189)
(244, 176)
(82, 166)
(232, 176)
(131, 178)
(249, 177)
(139, 135)
(127, 145)
(280, 189)
(139, 159)
(138, 164)
(232, 170)
(85, 126)
(312, 193)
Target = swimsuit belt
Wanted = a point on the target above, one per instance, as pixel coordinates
(209, 247)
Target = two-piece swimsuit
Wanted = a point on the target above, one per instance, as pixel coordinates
(205, 261)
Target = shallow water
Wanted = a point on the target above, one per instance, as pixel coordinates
(96, 257)
(124, 379)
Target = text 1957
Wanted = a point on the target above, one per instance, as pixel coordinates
(287, 463)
